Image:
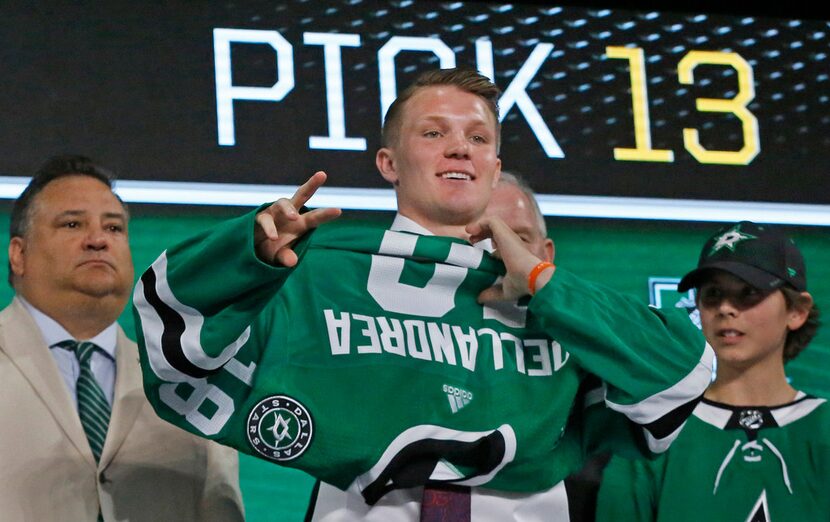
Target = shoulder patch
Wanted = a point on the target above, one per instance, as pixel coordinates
(280, 428)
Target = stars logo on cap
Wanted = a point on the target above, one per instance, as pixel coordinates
(730, 238)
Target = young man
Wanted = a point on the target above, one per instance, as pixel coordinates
(363, 355)
(79, 439)
(755, 449)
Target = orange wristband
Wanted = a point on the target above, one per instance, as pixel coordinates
(534, 274)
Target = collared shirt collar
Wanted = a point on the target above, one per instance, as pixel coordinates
(405, 224)
(54, 333)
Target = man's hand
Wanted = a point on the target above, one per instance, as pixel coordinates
(518, 260)
(280, 225)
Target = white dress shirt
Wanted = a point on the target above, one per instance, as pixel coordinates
(103, 364)
(405, 224)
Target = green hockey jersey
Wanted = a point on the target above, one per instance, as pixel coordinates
(371, 363)
(730, 464)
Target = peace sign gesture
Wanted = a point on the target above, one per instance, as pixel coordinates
(281, 224)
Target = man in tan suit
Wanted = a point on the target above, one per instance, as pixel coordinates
(72, 272)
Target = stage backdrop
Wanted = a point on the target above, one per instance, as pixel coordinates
(669, 106)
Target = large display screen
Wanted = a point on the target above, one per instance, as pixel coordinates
(718, 109)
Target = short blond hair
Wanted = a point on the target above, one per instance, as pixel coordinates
(467, 80)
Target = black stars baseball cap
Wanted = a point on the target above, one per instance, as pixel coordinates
(759, 254)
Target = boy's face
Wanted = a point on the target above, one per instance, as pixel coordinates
(744, 325)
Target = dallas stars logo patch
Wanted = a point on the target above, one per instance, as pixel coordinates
(751, 419)
(730, 238)
(280, 428)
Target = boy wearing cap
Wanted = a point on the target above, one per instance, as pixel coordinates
(755, 448)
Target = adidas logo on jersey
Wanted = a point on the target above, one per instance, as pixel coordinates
(458, 397)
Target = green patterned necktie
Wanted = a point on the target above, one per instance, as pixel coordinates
(93, 407)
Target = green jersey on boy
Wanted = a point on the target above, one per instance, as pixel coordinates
(730, 464)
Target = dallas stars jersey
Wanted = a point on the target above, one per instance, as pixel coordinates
(730, 464)
(370, 363)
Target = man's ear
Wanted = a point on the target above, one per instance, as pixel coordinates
(497, 174)
(550, 249)
(17, 250)
(385, 162)
(800, 311)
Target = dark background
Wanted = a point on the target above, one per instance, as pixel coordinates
(133, 85)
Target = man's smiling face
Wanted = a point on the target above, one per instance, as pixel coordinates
(444, 162)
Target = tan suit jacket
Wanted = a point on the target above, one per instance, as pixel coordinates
(149, 469)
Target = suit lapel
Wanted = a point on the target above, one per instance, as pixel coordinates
(128, 398)
(25, 347)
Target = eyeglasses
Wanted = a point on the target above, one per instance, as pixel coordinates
(743, 297)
